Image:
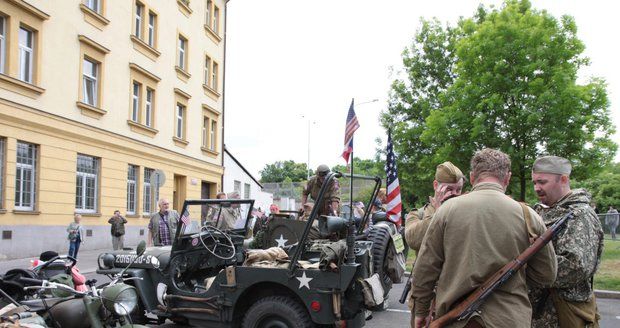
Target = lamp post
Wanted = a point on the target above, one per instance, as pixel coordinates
(308, 162)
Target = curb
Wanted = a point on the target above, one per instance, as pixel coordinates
(607, 294)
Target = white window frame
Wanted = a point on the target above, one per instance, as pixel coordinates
(147, 201)
(138, 20)
(214, 76)
(151, 32)
(2, 157)
(135, 101)
(148, 108)
(247, 189)
(26, 55)
(20, 169)
(205, 131)
(237, 186)
(182, 46)
(208, 13)
(94, 5)
(132, 188)
(216, 19)
(87, 77)
(180, 113)
(83, 178)
(208, 63)
(2, 43)
(213, 131)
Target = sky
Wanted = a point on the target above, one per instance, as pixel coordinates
(293, 67)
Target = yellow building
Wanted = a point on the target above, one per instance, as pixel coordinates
(95, 95)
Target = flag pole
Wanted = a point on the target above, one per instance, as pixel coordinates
(351, 233)
(351, 183)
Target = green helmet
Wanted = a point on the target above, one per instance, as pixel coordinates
(322, 169)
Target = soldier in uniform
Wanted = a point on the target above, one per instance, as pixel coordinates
(331, 199)
(569, 301)
(448, 183)
(469, 238)
(229, 215)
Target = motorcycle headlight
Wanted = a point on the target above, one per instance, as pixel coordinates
(120, 299)
(106, 261)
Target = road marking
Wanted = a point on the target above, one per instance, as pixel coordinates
(398, 310)
(618, 317)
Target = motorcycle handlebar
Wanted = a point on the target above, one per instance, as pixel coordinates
(31, 281)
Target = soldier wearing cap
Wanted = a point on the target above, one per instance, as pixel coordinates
(448, 183)
(331, 199)
(569, 301)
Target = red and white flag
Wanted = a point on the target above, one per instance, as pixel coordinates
(394, 204)
(351, 126)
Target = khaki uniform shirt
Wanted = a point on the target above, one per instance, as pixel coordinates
(228, 217)
(469, 239)
(332, 193)
(415, 227)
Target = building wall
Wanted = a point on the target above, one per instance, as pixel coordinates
(50, 112)
(235, 173)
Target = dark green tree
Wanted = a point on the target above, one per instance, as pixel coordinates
(604, 187)
(281, 170)
(368, 167)
(512, 85)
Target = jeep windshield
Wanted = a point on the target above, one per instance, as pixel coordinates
(230, 215)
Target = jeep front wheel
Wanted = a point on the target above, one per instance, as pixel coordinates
(276, 312)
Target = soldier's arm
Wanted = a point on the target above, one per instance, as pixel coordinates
(410, 222)
(543, 266)
(428, 267)
(576, 250)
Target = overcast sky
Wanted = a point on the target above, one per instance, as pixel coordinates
(291, 62)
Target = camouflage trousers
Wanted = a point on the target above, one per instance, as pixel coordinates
(547, 317)
(574, 314)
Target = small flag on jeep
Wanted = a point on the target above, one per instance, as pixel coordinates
(351, 126)
(185, 217)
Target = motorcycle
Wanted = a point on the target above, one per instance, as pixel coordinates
(110, 305)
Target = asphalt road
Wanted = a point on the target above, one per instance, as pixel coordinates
(397, 315)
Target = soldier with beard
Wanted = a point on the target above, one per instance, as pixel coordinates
(569, 301)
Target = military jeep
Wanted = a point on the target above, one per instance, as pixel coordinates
(388, 248)
(204, 279)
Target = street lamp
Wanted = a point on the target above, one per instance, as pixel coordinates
(308, 163)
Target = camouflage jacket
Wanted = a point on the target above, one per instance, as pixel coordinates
(314, 186)
(578, 247)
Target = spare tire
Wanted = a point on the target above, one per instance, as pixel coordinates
(381, 240)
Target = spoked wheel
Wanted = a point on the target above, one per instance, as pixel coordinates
(277, 312)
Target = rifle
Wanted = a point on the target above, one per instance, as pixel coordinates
(470, 305)
(403, 296)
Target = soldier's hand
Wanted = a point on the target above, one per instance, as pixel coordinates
(420, 322)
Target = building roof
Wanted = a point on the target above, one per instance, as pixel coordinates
(242, 167)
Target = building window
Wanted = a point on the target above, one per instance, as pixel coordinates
(180, 122)
(216, 20)
(207, 70)
(2, 157)
(25, 176)
(246, 190)
(138, 20)
(237, 186)
(182, 54)
(94, 5)
(205, 131)
(135, 102)
(214, 76)
(26, 42)
(86, 184)
(2, 43)
(132, 183)
(213, 133)
(151, 36)
(91, 87)
(147, 203)
(149, 107)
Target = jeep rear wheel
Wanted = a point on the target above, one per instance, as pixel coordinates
(277, 312)
(381, 239)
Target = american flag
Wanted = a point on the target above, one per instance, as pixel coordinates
(352, 125)
(185, 217)
(394, 205)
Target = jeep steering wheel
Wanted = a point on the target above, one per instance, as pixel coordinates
(207, 231)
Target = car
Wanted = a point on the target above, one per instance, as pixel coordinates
(205, 279)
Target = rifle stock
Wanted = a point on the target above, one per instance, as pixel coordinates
(466, 308)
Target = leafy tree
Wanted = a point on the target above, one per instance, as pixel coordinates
(506, 79)
(284, 170)
(604, 187)
(368, 167)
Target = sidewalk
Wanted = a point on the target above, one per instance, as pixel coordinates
(87, 261)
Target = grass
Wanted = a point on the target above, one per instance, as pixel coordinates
(608, 275)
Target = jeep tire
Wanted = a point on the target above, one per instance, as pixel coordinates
(276, 312)
(381, 239)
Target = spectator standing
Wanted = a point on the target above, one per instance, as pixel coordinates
(76, 235)
(611, 220)
(163, 225)
(117, 230)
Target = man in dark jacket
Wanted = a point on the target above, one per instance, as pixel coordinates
(117, 230)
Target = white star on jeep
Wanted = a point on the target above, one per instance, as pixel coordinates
(281, 241)
(304, 281)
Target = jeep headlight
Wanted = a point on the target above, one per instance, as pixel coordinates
(120, 299)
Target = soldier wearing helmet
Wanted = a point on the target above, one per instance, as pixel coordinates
(331, 199)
